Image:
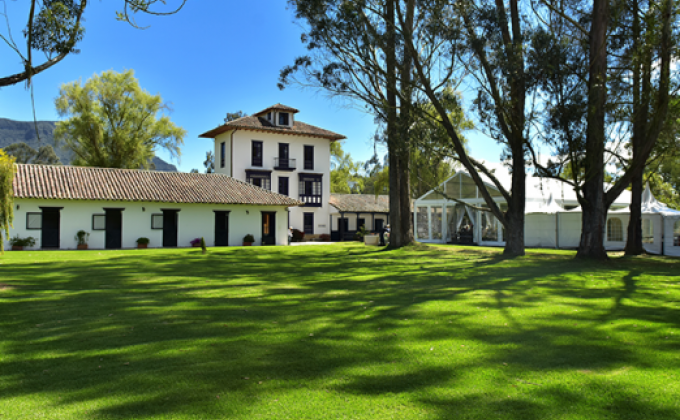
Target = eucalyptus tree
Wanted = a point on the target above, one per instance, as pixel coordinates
(355, 52)
(486, 41)
(55, 27)
(601, 85)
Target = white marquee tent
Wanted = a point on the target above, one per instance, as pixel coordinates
(553, 218)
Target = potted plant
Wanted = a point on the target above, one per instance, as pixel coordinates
(248, 240)
(81, 239)
(195, 242)
(143, 243)
(18, 243)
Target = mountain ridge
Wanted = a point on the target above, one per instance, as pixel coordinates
(13, 131)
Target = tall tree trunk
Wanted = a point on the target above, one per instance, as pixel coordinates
(404, 156)
(593, 203)
(634, 240)
(514, 229)
(392, 126)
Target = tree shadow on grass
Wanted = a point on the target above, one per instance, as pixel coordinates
(183, 330)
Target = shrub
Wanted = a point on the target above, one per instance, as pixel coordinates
(82, 237)
(17, 241)
(195, 242)
(325, 237)
(359, 236)
(204, 249)
(249, 238)
(143, 241)
(298, 235)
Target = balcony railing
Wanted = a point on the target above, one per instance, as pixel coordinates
(283, 164)
(311, 200)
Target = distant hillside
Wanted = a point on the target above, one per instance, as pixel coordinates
(24, 131)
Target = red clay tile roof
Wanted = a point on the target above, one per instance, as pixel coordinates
(364, 203)
(278, 107)
(261, 124)
(85, 183)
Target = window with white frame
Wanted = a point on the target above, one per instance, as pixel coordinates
(614, 230)
(647, 231)
(676, 234)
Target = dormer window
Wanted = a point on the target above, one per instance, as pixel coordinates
(283, 118)
(269, 116)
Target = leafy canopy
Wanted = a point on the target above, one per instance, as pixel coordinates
(113, 123)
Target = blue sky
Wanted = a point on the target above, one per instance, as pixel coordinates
(214, 57)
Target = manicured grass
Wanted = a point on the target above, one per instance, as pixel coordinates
(337, 332)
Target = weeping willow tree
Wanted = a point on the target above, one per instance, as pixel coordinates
(6, 196)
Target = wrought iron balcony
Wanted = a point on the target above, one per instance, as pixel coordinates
(283, 164)
(311, 200)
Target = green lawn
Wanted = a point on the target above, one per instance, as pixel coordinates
(337, 332)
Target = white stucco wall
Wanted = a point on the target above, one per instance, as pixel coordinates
(242, 158)
(352, 220)
(194, 221)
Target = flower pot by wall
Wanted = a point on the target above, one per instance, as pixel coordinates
(247, 244)
(196, 245)
(82, 247)
(142, 246)
(17, 248)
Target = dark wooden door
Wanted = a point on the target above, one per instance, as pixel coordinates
(114, 229)
(343, 225)
(169, 228)
(221, 228)
(308, 222)
(51, 219)
(378, 224)
(268, 228)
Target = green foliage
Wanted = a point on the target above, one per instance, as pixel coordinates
(7, 171)
(204, 249)
(24, 153)
(143, 241)
(55, 27)
(82, 237)
(345, 176)
(433, 155)
(26, 242)
(359, 235)
(249, 238)
(209, 162)
(113, 123)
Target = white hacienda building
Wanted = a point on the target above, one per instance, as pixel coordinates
(273, 150)
(118, 206)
